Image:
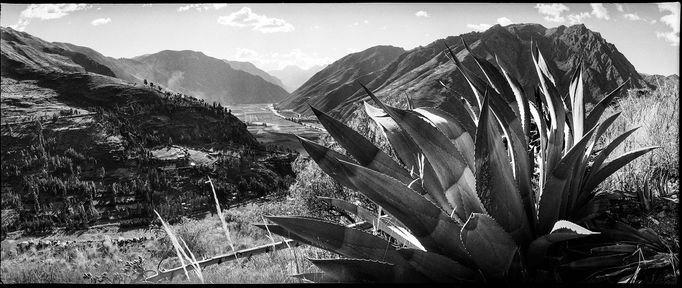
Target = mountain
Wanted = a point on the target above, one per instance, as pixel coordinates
(329, 88)
(420, 71)
(23, 52)
(662, 81)
(205, 77)
(248, 67)
(188, 72)
(294, 76)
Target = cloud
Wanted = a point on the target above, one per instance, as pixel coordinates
(147, 5)
(264, 24)
(201, 7)
(100, 21)
(421, 13)
(578, 18)
(504, 21)
(277, 61)
(631, 16)
(620, 7)
(552, 12)
(599, 11)
(672, 20)
(479, 27)
(46, 12)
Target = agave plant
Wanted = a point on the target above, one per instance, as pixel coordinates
(461, 204)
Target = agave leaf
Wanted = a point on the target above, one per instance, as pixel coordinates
(609, 168)
(604, 154)
(316, 277)
(541, 64)
(450, 168)
(362, 149)
(473, 81)
(596, 262)
(494, 77)
(521, 99)
(349, 242)
(563, 230)
(555, 193)
(597, 110)
(360, 270)
(617, 248)
(439, 268)
(426, 221)
(494, 180)
(590, 209)
(408, 151)
(542, 130)
(281, 231)
(410, 105)
(391, 227)
(449, 125)
(462, 113)
(327, 159)
(579, 176)
(578, 106)
(491, 248)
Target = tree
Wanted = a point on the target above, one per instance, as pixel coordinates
(145, 81)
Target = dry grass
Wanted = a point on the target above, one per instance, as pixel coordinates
(657, 113)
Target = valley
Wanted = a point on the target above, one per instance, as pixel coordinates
(270, 127)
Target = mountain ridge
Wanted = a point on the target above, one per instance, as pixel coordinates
(419, 72)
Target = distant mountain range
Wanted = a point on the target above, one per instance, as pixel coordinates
(422, 71)
(189, 72)
(331, 86)
(248, 67)
(294, 76)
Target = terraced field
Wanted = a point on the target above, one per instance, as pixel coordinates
(272, 129)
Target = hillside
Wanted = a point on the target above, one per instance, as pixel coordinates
(420, 71)
(187, 72)
(294, 76)
(80, 148)
(253, 70)
(207, 78)
(332, 85)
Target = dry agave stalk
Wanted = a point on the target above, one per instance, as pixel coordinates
(182, 252)
(471, 214)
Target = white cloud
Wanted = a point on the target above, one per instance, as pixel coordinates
(620, 7)
(670, 36)
(147, 5)
(631, 16)
(46, 12)
(479, 27)
(246, 18)
(100, 21)
(201, 7)
(577, 18)
(599, 11)
(277, 61)
(422, 13)
(552, 12)
(672, 20)
(504, 21)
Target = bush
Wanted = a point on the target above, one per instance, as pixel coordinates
(657, 112)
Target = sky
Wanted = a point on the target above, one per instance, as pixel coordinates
(272, 36)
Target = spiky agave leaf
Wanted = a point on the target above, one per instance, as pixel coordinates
(495, 184)
(456, 179)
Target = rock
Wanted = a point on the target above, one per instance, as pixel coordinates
(661, 214)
